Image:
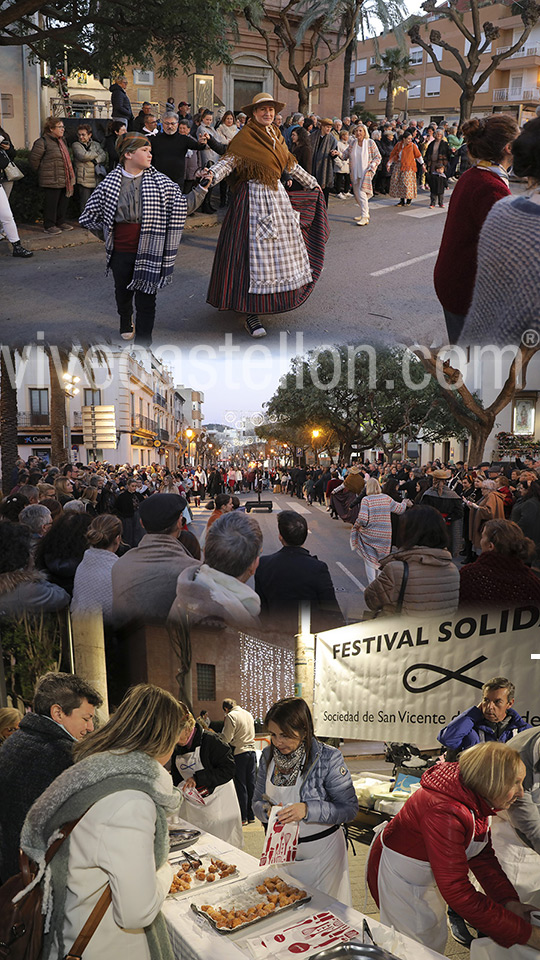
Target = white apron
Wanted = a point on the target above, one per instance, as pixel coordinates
(520, 863)
(322, 864)
(410, 899)
(220, 814)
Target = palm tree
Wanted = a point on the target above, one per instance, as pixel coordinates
(395, 65)
(8, 416)
(390, 13)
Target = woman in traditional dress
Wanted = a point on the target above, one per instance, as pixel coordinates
(371, 536)
(269, 255)
(364, 157)
(403, 161)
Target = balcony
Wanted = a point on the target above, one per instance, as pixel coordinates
(83, 109)
(163, 434)
(161, 400)
(26, 420)
(140, 423)
(516, 96)
(527, 57)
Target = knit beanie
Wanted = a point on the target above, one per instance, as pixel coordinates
(129, 142)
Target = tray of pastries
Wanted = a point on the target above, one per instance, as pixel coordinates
(251, 901)
(193, 872)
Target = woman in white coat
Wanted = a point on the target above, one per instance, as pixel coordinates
(364, 158)
(119, 788)
(203, 760)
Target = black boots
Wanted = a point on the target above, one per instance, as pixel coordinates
(20, 251)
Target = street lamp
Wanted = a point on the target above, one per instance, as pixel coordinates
(189, 434)
(315, 434)
(70, 390)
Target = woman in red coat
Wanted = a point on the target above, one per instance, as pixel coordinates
(423, 856)
(489, 142)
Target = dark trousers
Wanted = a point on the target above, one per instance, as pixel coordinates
(244, 781)
(326, 191)
(54, 206)
(122, 266)
(84, 195)
(454, 325)
(343, 182)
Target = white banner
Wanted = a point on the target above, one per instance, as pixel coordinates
(401, 679)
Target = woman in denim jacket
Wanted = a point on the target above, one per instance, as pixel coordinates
(311, 782)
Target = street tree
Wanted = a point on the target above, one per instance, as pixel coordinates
(310, 34)
(103, 36)
(365, 398)
(373, 13)
(395, 66)
(464, 407)
(8, 416)
(468, 72)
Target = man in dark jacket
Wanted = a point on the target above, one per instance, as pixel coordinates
(39, 751)
(170, 147)
(120, 102)
(144, 579)
(324, 146)
(292, 576)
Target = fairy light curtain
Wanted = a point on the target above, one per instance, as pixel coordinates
(267, 675)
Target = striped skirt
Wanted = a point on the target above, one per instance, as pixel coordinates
(229, 282)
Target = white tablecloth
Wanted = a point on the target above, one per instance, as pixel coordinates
(486, 949)
(195, 940)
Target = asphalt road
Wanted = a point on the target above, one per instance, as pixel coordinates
(327, 539)
(65, 293)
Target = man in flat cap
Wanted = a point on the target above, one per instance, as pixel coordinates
(144, 585)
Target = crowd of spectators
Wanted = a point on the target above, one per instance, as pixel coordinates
(119, 539)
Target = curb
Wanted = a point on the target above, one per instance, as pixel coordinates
(33, 238)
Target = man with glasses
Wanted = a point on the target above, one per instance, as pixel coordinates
(170, 147)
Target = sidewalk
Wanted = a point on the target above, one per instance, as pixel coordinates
(33, 237)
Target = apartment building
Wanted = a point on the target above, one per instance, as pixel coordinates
(513, 88)
(147, 413)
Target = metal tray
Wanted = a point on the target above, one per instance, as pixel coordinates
(354, 951)
(254, 881)
(197, 886)
(179, 838)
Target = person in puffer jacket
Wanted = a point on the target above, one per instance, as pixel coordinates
(424, 562)
(492, 719)
(422, 857)
(312, 784)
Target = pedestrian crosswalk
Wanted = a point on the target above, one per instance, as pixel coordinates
(418, 209)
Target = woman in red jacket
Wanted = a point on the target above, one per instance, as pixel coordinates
(423, 856)
(489, 142)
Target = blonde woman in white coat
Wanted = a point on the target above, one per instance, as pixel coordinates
(119, 788)
(364, 158)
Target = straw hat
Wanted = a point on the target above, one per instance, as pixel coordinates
(262, 100)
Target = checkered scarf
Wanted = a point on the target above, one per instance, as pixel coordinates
(163, 216)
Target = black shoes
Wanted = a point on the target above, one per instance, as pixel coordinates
(459, 929)
(20, 251)
(254, 327)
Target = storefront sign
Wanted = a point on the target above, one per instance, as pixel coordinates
(403, 678)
